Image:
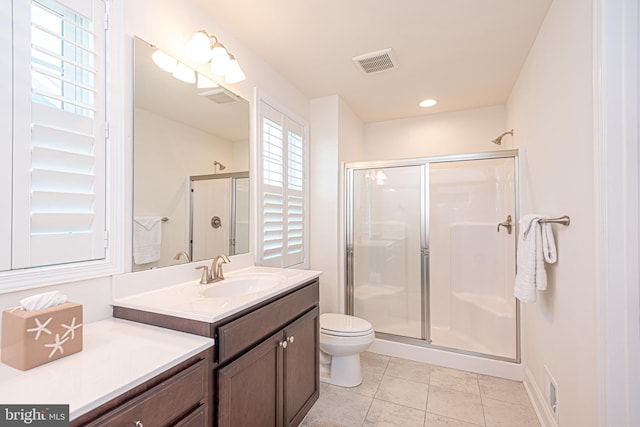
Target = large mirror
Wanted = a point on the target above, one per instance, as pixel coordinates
(187, 136)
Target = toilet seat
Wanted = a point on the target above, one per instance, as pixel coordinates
(343, 325)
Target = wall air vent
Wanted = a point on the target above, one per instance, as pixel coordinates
(220, 96)
(376, 62)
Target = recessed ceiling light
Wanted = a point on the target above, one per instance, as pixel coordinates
(428, 103)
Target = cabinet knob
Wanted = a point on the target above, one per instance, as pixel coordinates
(139, 424)
(290, 339)
(283, 344)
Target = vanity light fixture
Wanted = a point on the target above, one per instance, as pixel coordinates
(234, 73)
(428, 103)
(164, 61)
(205, 82)
(204, 48)
(184, 73)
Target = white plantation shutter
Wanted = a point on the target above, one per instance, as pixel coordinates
(59, 209)
(283, 186)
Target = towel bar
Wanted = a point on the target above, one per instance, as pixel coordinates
(564, 220)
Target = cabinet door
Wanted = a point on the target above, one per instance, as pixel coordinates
(250, 388)
(301, 367)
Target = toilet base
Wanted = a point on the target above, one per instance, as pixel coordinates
(343, 371)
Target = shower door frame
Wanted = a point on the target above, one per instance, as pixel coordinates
(423, 163)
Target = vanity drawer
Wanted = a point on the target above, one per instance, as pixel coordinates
(239, 334)
(165, 404)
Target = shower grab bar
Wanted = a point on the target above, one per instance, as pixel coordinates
(564, 220)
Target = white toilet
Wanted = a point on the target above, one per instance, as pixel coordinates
(342, 339)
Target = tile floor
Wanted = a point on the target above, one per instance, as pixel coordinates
(399, 392)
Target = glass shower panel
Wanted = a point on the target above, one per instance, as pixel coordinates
(471, 263)
(386, 246)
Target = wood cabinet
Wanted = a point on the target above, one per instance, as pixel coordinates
(265, 369)
(276, 382)
(178, 396)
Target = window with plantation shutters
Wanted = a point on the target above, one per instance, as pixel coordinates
(59, 147)
(283, 189)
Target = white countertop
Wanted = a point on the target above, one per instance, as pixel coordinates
(186, 300)
(117, 356)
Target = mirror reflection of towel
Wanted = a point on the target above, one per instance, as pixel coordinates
(147, 239)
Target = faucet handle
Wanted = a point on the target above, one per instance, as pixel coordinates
(206, 277)
(216, 267)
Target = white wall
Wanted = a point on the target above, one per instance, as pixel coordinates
(163, 191)
(465, 131)
(551, 110)
(336, 136)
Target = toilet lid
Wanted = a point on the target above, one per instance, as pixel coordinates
(344, 325)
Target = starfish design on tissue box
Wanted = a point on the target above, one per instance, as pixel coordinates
(57, 345)
(71, 329)
(41, 327)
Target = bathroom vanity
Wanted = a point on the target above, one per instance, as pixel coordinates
(264, 368)
(127, 374)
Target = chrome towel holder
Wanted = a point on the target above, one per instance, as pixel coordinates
(564, 220)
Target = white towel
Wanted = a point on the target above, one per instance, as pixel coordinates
(535, 246)
(147, 239)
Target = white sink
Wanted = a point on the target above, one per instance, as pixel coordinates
(241, 285)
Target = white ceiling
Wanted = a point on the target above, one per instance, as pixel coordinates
(465, 53)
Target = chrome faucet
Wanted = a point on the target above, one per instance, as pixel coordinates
(213, 274)
(216, 267)
(182, 254)
(206, 275)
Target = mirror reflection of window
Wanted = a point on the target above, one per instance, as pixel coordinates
(182, 130)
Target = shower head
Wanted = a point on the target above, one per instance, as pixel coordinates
(217, 163)
(498, 140)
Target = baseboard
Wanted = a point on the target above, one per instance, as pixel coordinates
(543, 412)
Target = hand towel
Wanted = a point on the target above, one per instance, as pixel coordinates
(147, 239)
(535, 246)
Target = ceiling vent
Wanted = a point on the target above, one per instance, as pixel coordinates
(376, 62)
(220, 96)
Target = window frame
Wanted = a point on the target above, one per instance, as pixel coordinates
(261, 99)
(112, 263)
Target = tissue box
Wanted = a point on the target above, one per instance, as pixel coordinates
(32, 338)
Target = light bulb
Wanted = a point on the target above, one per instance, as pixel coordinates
(205, 82)
(199, 47)
(234, 72)
(219, 59)
(184, 73)
(164, 61)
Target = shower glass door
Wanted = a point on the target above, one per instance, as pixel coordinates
(427, 262)
(385, 246)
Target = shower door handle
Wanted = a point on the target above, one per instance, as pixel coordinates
(506, 224)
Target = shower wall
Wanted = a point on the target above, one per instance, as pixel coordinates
(472, 265)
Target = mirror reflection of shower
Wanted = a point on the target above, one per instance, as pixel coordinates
(219, 209)
(220, 166)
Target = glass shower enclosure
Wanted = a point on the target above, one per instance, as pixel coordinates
(430, 251)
